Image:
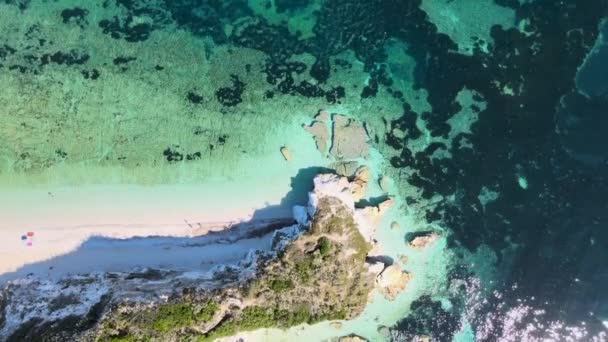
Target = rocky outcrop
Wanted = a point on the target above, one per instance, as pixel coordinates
(392, 280)
(367, 218)
(315, 270)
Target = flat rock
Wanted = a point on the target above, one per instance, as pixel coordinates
(349, 139)
(320, 133)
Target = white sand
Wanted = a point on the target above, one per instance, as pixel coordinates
(126, 255)
(66, 217)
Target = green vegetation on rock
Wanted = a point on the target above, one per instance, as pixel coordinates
(255, 317)
(182, 315)
(324, 245)
(279, 285)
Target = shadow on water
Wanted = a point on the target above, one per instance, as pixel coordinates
(371, 202)
(301, 185)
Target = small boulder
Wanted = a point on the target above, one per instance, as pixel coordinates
(286, 154)
(395, 225)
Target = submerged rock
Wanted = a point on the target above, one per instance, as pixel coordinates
(383, 183)
(320, 133)
(322, 116)
(349, 139)
(352, 338)
(422, 240)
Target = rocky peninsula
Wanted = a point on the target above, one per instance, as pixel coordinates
(317, 269)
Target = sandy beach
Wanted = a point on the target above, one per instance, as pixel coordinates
(63, 218)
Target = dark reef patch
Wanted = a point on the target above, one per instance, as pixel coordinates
(21, 4)
(5, 51)
(378, 75)
(75, 15)
(231, 96)
(124, 29)
(194, 97)
(91, 74)
(173, 155)
(290, 5)
(207, 17)
(73, 57)
(514, 137)
(428, 318)
(123, 62)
